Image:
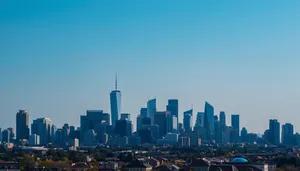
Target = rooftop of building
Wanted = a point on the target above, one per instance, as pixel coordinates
(239, 160)
(199, 163)
(138, 164)
(162, 168)
(223, 167)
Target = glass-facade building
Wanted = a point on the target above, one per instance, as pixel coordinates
(187, 121)
(274, 132)
(151, 109)
(115, 106)
(22, 124)
(287, 134)
(173, 108)
(209, 120)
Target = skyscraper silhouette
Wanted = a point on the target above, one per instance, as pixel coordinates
(235, 124)
(151, 109)
(200, 119)
(22, 124)
(160, 119)
(173, 108)
(209, 120)
(115, 103)
(274, 132)
(222, 119)
(42, 127)
(187, 120)
(287, 134)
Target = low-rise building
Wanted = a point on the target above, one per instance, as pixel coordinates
(138, 165)
(110, 165)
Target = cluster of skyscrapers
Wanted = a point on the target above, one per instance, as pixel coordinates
(152, 127)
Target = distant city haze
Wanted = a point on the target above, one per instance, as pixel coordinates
(59, 59)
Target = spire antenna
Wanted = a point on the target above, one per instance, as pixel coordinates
(116, 81)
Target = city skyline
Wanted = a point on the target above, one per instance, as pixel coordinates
(58, 58)
(228, 116)
(97, 128)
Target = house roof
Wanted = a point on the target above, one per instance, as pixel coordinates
(199, 163)
(162, 168)
(138, 164)
(223, 167)
(247, 167)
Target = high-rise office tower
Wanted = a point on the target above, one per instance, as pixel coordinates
(59, 138)
(143, 112)
(0, 135)
(222, 119)
(146, 121)
(151, 109)
(53, 131)
(171, 123)
(95, 120)
(6, 136)
(12, 133)
(139, 122)
(42, 127)
(200, 119)
(115, 104)
(34, 140)
(194, 138)
(146, 135)
(125, 116)
(287, 134)
(72, 129)
(217, 129)
(65, 132)
(187, 121)
(188, 112)
(180, 127)
(123, 128)
(244, 135)
(160, 119)
(235, 124)
(274, 132)
(173, 108)
(209, 121)
(22, 122)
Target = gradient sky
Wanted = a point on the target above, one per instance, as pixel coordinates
(58, 58)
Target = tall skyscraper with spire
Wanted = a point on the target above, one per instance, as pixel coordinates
(115, 103)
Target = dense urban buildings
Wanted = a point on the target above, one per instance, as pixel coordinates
(42, 127)
(152, 127)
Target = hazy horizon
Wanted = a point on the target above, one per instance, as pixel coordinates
(59, 58)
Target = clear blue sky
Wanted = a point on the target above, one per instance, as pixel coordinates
(58, 58)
